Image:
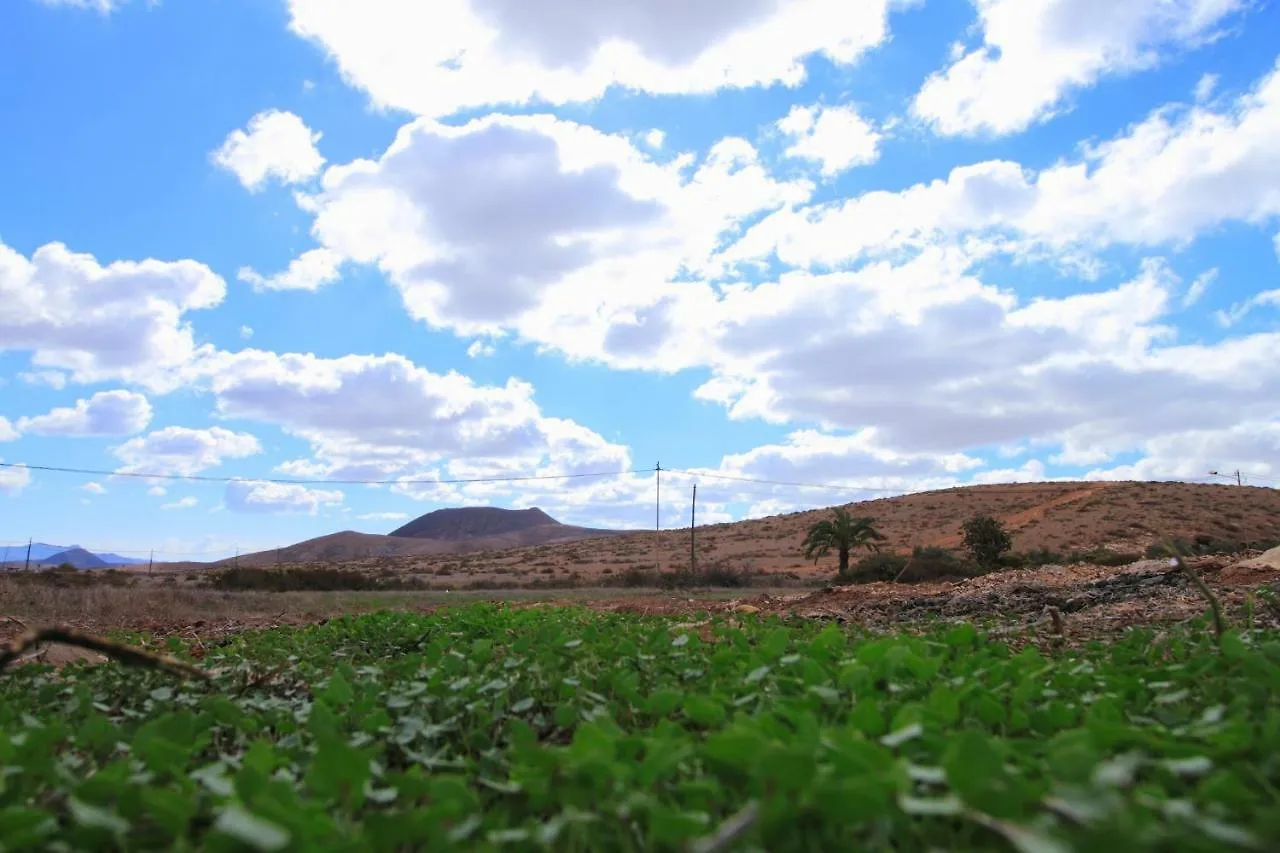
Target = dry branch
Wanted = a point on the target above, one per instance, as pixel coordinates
(126, 654)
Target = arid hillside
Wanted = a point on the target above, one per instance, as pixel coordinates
(1063, 517)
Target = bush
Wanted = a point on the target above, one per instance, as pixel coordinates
(878, 567)
(65, 568)
(297, 580)
(1203, 545)
(931, 563)
(1103, 557)
(1042, 557)
(986, 540)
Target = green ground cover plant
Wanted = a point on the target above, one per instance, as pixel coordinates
(492, 727)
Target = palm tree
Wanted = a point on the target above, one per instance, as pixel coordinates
(842, 532)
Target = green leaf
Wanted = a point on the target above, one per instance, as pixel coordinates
(96, 817)
(247, 828)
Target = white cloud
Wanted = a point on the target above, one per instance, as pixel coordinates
(14, 480)
(258, 496)
(438, 59)
(184, 451)
(1204, 87)
(104, 7)
(481, 348)
(107, 413)
(837, 138)
(246, 332)
(1036, 53)
(276, 145)
(94, 488)
(383, 516)
(1251, 445)
(1168, 178)
(7, 432)
(309, 271)
(124, 321)
(513, 221)
(1239, 310)
(182, 503)
(55, 379)
(157, 491)
(381, 417)
(1198, 287)
(655, 138)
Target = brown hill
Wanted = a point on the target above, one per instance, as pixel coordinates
(1063, 517)
(443, 532)
(474, 521)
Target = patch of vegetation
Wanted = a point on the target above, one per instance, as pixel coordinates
(1103, 557)
(930, 563)
(304, 580)
(71, 579)
(986, 540)
(540, 728)
(843, 534)
(1205, 545)
(878, 567)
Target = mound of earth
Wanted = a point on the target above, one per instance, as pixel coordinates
(474, 521)
(78, 557)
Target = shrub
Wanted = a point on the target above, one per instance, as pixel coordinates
(931, 563)
(878, 567)
(297, 580)
(1103, 557)
(986, 540)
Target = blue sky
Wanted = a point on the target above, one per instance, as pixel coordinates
(892, 247)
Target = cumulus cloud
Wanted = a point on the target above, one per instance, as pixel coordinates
(258, 496)
(107, 413)
(15, 479)
(276, 144)
(7, 432)
(383, 516)
(183, 450)
(379, 417)
(510, 223)
(94, 488)
(457, 54)
(1175, 174)
(309, 271)
(123, 321)
(182, 503)
(1240, 310)
(1036, 53)
(837, 138)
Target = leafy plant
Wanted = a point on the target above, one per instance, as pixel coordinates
(486, 727)
(841, 533)
(986, 540)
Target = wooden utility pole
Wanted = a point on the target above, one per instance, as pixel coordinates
(28, 566)
(693, 532)
(657, 514)
(151, 561)
(1236, 474)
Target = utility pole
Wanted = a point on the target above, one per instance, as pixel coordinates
(657, 513)
(5, 564)
(1236, 474)
(236, 564)
(693, 532)
(28, 567)
(151, 561)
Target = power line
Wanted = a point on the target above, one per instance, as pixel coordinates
(288, 481)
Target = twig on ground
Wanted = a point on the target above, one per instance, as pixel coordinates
(1219, 625)
(14, 619)
(729, 831)
(128, 655)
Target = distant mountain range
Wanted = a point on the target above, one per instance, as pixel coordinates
(458, 530)
(43, 554)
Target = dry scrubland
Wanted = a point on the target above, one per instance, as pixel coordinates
(1123, 518)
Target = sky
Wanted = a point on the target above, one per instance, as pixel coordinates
(856, 249)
